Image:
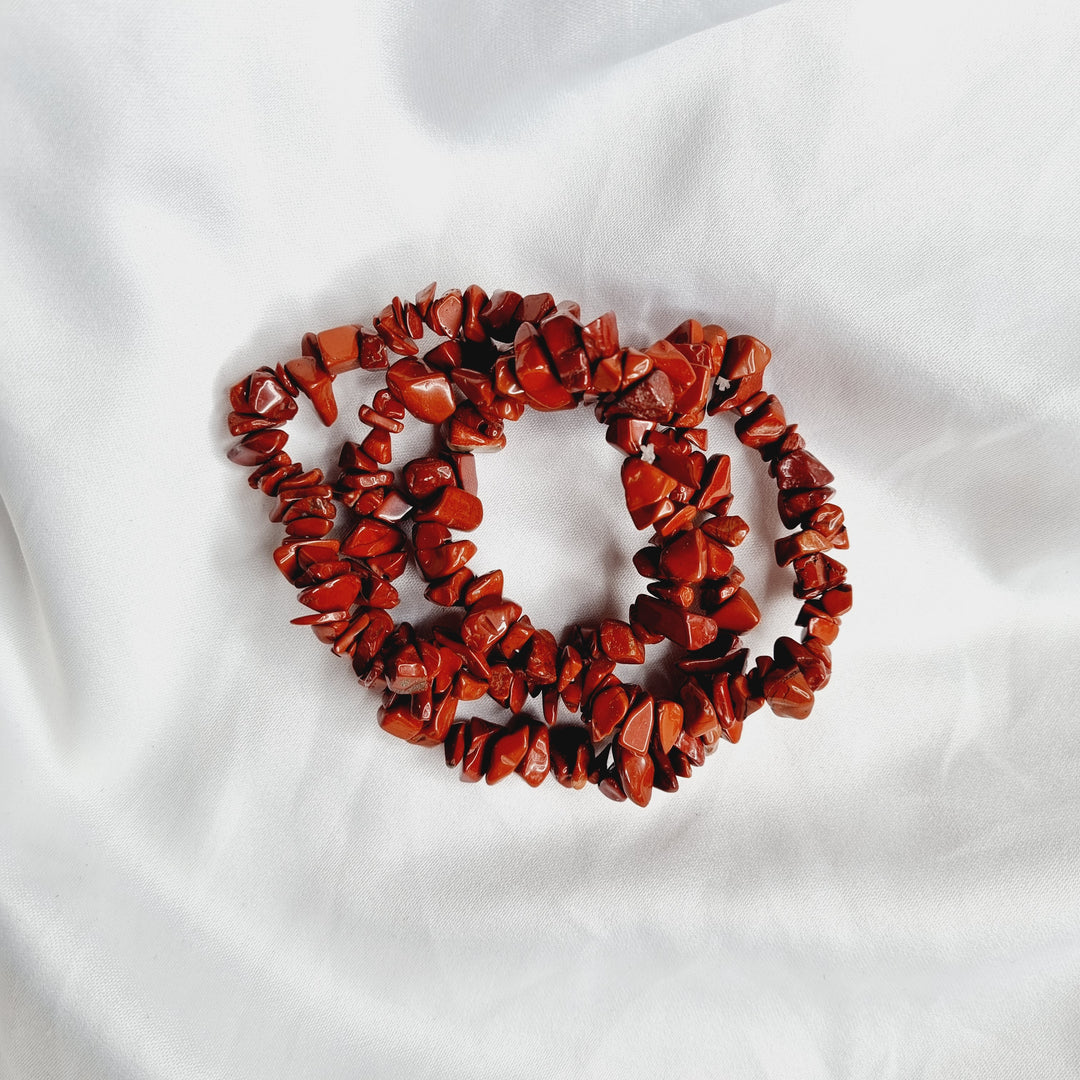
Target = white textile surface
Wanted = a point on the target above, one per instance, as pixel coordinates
(214, 864)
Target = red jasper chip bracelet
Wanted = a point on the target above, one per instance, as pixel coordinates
(497, 355)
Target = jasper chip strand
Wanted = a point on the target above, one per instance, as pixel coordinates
(499, 354)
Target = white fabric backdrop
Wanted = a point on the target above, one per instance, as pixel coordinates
(212, 862)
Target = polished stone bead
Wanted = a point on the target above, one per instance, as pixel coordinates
(258, 447)
(607, 710)
(651, 514)
(398, 719)
(571, 756)
(449, 666)
(535, 307)
(607, 374)
(816, 573)
(682, 595)
(447, 592)
(473, 301)
(730, 531)
(647, 562)
(542, 666)
(488, 585)
(549, 699)
(262, 395)
(438, 727)
(536, 764)
(611, 786)
(688, 333)
(424, 298)
(791, 442)
(833, 602)
(366, 481)
(534, 374)
(339, 349)
(561, 333)
(744, 355)
(635, 774)
(743, 702)
(814, 660)
(600, 337)
(723, 704)
(336, 594)
(699, 715)
(394, 333)
(628, 434)
(827, 519)
(376, 420)
(455, 508)
(788, 693)
(635, 366)
(454, 746)
(479, 736)
(471, 433)
(373, 355)
(394, 507)
(445, 357)
(425, 392)
(680, 763)
(431, 534)
(685, 628)
(644, 484)
(445, 314)
(651, 398)
(690, 399)
(499, 684)
(405, 672)
(518, 692)
(376, 445)
(371, 537)
(664, 778)
(720, 560)
(424, 476)
(321, 618)
(242, 424)
(468, 687)
(297, 508)
(692, 747)
(738, 613)
(414, 321)
(800, 471)
(497, 316)
(764, 425)
(795, 505)
(314, 381)
(790, 548)
(570, 665)
(667, 358)
(487, 621)
(572, 370)
(619, 644)
(669, 723)
(476, 386)
(442, 561)
(516, 637)
(508, 750)
(821, 627)
(685, 558)
(638, 726)
(715, 482)
(309, 526)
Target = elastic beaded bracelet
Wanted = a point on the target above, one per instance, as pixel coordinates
(632, 740)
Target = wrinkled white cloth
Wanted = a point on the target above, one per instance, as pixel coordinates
(213, 864)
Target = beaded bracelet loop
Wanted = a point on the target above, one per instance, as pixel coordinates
(499, 354)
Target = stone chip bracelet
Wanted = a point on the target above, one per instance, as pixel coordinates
(497, 355)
